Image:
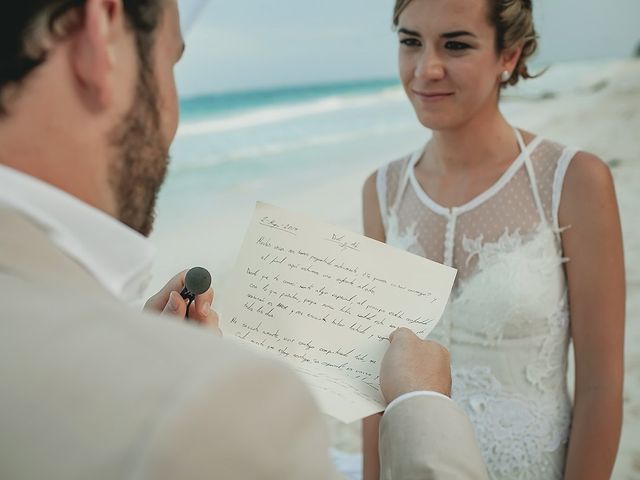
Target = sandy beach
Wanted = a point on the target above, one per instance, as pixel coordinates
(593, 106)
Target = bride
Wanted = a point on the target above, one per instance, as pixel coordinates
(533, 229)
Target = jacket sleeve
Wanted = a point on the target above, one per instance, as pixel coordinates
(429, 437)
(256, 423)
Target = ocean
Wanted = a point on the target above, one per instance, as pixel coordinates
(230, 142)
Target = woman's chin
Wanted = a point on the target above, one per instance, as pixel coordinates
(437, 122)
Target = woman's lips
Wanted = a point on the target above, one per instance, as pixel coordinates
(432, 96)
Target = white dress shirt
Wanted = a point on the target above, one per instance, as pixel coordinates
(117, 256)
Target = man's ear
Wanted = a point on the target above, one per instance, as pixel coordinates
(94, 50)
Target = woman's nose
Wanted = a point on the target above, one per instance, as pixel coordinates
(430, 66)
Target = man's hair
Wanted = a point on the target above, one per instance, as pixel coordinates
(28, 27)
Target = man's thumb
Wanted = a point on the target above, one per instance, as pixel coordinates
(401, 333)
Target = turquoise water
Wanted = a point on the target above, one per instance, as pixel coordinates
(228, 141)
(203, 106)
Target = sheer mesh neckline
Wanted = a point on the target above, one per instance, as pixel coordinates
(481, 197)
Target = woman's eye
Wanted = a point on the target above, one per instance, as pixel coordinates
(456, 46)
(410, 42)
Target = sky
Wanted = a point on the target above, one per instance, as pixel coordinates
(255, 44)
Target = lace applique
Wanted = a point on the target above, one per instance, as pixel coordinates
(405, 240)
(518, 438)
(491, 252)
(511, 267)
(551, 363)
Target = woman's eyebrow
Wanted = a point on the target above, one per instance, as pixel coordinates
(458, 33)
(406, 31)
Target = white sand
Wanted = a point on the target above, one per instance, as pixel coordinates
(595, 108)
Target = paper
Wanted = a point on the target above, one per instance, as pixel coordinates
(325, 300)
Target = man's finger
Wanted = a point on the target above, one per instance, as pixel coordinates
(160, 299)
(202, 305)
(210, 320)
(175, 306)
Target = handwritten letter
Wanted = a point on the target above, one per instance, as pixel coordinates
(325, 300)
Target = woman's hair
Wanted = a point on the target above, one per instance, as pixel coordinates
(513, 22)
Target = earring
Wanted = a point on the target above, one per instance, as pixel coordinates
(505, 76)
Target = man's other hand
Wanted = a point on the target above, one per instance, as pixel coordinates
(411, 364)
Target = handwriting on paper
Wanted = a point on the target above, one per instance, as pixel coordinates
(325, 301)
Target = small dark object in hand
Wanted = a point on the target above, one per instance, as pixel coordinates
(196, 281)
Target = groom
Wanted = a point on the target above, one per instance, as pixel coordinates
(91, 389)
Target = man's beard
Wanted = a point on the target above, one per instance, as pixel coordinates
(140, 166)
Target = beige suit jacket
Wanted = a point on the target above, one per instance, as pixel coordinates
(91, 389)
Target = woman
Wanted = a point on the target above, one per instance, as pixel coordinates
(534, 231)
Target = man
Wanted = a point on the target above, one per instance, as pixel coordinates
(94, 390)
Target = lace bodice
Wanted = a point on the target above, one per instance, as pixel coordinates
(507, 323)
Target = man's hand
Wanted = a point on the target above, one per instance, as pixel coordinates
(411, 364)
(169, 302)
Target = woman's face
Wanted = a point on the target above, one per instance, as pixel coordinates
(447, 59)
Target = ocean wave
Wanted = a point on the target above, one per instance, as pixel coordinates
(310, 142)
(281, 113)
(239, 155)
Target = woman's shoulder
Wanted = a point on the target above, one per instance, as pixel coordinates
(579, 166)
(398, 164)
(387, 172)
(587, 171)
(381, 186)
(588, 188)
(396, 169)
(550, 157)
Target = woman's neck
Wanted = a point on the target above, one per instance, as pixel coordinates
(486, 139)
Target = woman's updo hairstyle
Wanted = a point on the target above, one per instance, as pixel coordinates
(513, 23)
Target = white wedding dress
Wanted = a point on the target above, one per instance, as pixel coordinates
(507, 323)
